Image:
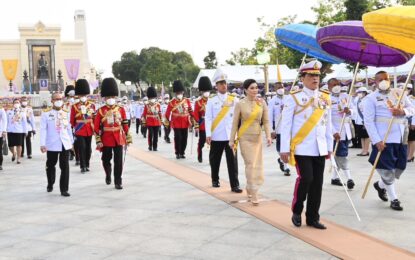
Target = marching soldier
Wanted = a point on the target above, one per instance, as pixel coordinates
(111, 132)
(82, 114)
(205, 86)
(69, 101)
(143, 127)
(138, 112)
(181, 113)
(28, 110)
(218, 125)
(152, 118)
(163, 112)
(56, 140)
(275, 106)
(359, 125)
(379, 108)
(127, 107)
(339, 108)
(306, 141)
(3, 132)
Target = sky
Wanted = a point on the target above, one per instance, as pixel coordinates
(196, 27)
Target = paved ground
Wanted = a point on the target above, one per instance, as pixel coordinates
(157, 216)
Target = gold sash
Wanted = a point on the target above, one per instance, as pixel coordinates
(222, 113)
(305, 129)
(246, 124)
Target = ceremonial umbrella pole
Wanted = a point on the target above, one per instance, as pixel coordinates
(392, 26)
(302, 38)
(349, 41)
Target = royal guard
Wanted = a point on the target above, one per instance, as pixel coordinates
(181, 112)
(152, 118)
(166, 128)
(111, 132)
(205, 86)
(82, 115)
(30, 117)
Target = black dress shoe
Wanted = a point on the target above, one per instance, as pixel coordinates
(65, 194)
(296, 219)
(83, 170)
(77, 163)
(1, 168)
(71, 157)
(49, 189)
(178, 156)
(29, 156)
(362, 154)
(281, 164)
(336, 182)
(236, 190)
(87, 169)
(396, 205)
(182, 156)
(150, 149)
(215, 184)
(381, 192)
(199, 158)
(118, 186)
(316, 224)
(350, 184)
(287, 172)
(108, 180)
(13, 158)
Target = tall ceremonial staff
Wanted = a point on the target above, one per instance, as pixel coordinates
(349, 41)
(393, 27)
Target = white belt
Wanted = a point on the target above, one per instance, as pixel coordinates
(400, 121)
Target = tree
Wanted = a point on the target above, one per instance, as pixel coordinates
(210, 60)
(128, 68)
(355, 9)
(329, 11)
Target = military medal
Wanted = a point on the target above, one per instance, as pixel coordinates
(110, 117)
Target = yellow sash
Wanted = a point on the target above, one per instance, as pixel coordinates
(305, 129)
(246, 124)
(222, 113)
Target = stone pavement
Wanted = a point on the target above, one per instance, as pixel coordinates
(156, 216)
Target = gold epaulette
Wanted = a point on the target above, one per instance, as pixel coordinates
(212, 95)
(47, 109)
(295, 91)
(324, 91)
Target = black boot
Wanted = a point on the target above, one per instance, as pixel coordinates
(381, 192)
(336, 182)
(350, 184)
(396, 205)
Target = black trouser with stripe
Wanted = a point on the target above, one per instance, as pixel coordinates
(28, 145)
(84, 147)
(1, 153)
(137, 125)
(215, 156)
(180, 140)
(144, 131)
(201, 143)
(309, 185)
(166, 133)
(52, 159)
(118, 162)
(153, 136)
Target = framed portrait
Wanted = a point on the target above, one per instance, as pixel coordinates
(41, 62)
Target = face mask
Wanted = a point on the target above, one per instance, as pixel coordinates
(336, 89)
(384, 85)
(76, 100)
(153, 100)
(24, 103)
(206, 94)
(166, 101)
(180, 96)
(280, 91)
(360, 95)
(71, 100)
(110, 101)
(83, 99)
(58, 103)
(145, 102)
(16, 105)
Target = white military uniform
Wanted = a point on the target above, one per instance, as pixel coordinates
(16, 121)
(214, 105)
(55, 130)
(3, 121)
(339, 102)
(275, 106)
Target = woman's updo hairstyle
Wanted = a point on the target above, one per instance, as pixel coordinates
(248, 83)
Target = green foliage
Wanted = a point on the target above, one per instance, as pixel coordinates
(329, 11)
(154, 66)
(210, 60)
(355, 9)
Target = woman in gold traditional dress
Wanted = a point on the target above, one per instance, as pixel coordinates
(250, 119)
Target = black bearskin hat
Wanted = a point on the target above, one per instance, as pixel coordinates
(68, 89)
(82, 87)
(151, 92)
(205, 84)
(177, 86)
(109, 88)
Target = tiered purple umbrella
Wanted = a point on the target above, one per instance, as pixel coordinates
(349, 41)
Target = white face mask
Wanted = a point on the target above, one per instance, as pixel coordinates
(58, 103)
(145, 102)
(384, 85)
(24, 103)
(16, 105)
(153, 100)
(110, 101)
(360, 95)
(180, 96)
(83, 99)
(206, 94)
(336, 89)
(166, 101)
(71, 100)
(280, 91)
(76, 100)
